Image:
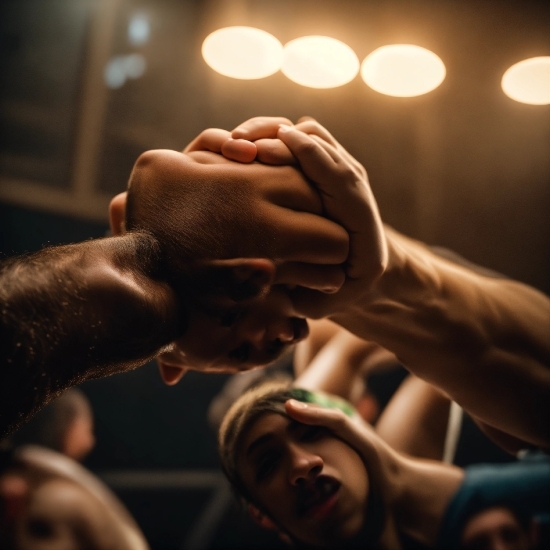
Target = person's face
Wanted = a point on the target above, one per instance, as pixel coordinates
(310, 483)
(494, 529)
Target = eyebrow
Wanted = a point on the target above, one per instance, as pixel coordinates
(262, 440)
(292, 426)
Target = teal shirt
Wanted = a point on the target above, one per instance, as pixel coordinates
(522, 486)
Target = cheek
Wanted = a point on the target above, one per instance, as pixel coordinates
(352, 469)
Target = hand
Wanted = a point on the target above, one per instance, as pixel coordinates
(350, 429)
(249, 211)
(256, 139)
(347, 199)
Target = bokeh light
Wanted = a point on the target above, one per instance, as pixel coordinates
(528, 81)
(138, 29)
(242, 52)
(319, 62)
(403, 70)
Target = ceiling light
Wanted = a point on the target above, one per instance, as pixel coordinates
(529, 81)
(242, 52)
(319, 62)
(403, 70)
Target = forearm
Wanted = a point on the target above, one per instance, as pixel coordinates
(337, 368)
(415, 420)
(77, 312)
(484, 341)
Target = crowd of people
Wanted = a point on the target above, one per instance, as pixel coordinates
(219, 256)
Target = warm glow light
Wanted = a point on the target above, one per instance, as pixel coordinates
(242, 52)
(529, 81)
(319, 62)
(403, 70)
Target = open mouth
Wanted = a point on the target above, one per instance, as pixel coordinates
(318, 498)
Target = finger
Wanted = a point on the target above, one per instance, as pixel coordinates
(259, 127)
(312, 127)
(238, 279)
(313, 304)
(117, 213)
(209, 140)
(334, 419)
(305, 237)
(274, 151)
(324, 278)
(305, 118)
(239, 150)
(315, 160)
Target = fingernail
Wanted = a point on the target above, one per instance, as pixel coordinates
(284, 128)
(330, 289)
(297, 404)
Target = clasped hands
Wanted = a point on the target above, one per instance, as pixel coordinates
(341, 182)
(322, 280)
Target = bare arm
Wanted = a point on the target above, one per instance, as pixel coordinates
(76, 312)
(341, 363)
(415, 420)
(482, 340)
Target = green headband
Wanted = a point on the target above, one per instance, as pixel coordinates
(324, 400)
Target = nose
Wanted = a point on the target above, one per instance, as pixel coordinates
(304, 466)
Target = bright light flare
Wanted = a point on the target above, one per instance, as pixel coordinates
(319, 62)
(528, 81)
(242, 52)
(403, 70)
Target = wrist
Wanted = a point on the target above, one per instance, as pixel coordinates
(130, 275)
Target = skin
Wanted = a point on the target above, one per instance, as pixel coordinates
(414, 421)
(460, 330)
(79, 438)
(412, 494)
(494, 529)
(55, 503)
(227, 332)
(284, 464)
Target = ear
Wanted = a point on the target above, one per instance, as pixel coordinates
(241, 278)
(170, 375)
(117, 213)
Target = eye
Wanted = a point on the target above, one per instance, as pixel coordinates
(266, 465)
(231, 316)
(240, 354)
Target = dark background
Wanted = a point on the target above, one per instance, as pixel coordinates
(463, 167)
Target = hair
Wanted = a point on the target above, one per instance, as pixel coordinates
(49, 426)
(269, 397)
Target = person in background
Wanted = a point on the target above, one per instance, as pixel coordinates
(308, 467)
(47, 500)
(65, 425)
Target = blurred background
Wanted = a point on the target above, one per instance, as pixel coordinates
(87, 85)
